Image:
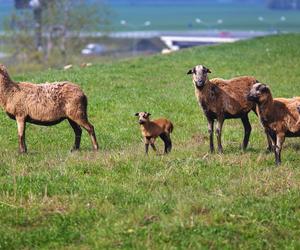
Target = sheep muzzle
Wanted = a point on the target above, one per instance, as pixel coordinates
(252, 98)
(200, 83)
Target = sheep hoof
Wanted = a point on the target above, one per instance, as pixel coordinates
(74, 150)
(243, 147)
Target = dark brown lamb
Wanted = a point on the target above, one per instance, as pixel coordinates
(223, 99)
(45, 104)
(279, 116)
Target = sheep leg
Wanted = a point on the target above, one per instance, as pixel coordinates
(152, 144)
(273, 138)
(279, 142)
(147, 142)
(153, 147)
(269, 139)
(21, 134)
(220, 122)
(247, 131)
(170, 143)
(78, 131)
(211, 135)
(167, 141)
(146, 148)
(90, 129)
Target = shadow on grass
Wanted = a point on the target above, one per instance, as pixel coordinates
(295, 146)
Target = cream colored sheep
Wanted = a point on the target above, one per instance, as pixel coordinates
(45, 104)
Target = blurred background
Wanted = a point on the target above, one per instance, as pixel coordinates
(36, 34)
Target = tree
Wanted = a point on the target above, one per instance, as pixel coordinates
(54, 27)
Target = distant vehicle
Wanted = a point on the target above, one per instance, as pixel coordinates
(92, 49)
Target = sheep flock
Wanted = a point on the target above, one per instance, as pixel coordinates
(50, 103)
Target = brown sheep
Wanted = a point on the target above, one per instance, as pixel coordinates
(279, 116)
(45, 104)
(152, 129)
(223, 99)
(298, 109)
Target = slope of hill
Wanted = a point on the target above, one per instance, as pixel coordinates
(119, 198)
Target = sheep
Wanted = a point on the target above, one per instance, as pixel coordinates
(223, 99)
(279, 116)
(152, 129)
(298, 109)
(45, 104)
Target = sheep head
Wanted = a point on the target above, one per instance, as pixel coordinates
(259, 93)
(143, 117)
(298, 108)
(4, 76)
(199, 74)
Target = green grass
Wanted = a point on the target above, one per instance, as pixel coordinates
(119, 198)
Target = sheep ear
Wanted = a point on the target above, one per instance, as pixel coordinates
(206, 70)
(191, 71)
(264, 88)
(136, 114)
(148, 114)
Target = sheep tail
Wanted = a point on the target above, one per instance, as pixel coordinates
(171, 128)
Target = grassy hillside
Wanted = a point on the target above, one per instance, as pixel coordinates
(119, 198)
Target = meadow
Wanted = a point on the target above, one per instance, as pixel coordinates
(120, 198)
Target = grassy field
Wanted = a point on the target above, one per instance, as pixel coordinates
(119, 198)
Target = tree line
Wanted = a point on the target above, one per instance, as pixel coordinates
(284, 4)
(52, 29)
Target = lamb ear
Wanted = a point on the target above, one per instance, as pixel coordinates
(148, 114)
(136, 114)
